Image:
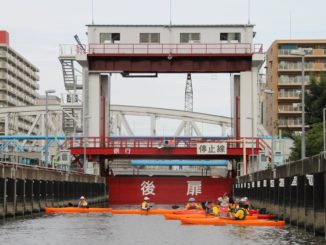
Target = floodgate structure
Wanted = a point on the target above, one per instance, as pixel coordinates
(161, 168)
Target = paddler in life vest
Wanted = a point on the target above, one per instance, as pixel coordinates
(232, 205)
(145, 205)
(240, 213)
(212, 209)
(82, 202)
(192, 204)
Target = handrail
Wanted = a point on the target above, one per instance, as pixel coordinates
(158, 142)
(162, 48)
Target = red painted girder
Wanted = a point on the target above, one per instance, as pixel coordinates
(155, 153)
(178, 64)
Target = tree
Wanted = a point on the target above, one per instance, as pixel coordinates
(314, 104)
(315, 100)
(314, 142)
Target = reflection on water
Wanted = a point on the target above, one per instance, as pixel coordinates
(133, 229)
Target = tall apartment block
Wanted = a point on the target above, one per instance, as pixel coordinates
(18, 83)
(283, 76)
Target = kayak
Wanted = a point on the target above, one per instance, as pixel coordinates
(77, 210)
(138, 211)
(219, 221)
(185, 212)
(198, 216)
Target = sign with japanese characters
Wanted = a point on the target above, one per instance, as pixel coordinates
(147, 188)
(194, 188)
(211, 149)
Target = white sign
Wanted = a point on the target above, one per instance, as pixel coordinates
(272, 183)
(310, 179)
(253, 184)
(265, 183)
(194, 188)
(212, 149)
(248, 185)
(294, 181)
(258, 183)
(147, 188)
(281, 182)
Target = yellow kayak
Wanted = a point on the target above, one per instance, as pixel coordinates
(77, 210)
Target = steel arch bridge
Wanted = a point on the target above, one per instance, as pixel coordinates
(66, 119)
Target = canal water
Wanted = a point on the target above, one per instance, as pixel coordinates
(134, 229)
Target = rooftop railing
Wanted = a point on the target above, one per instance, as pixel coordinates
(162, 49)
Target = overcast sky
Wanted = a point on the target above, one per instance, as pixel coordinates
(38, 27)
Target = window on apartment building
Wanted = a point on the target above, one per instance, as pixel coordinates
(149, 37)
(109, 37)
(189, 37)
(230, 37)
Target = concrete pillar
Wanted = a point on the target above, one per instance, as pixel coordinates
(248, 105)
(235, 95)
(153, 125)
(106, 92)
(94, 101)
(99, 85)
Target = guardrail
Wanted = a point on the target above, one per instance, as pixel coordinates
(160, 142)
(162, 49)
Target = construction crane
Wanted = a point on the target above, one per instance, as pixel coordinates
(188, 104)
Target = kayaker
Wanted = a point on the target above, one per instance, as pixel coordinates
(192, 204)
(241, 213)
(232, 205)
(82, 202)
(212, 209)
(145, 204)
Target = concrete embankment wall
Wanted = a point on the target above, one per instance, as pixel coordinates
(26, 190)
(295, 192)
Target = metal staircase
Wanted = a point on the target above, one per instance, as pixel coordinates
(69, 75)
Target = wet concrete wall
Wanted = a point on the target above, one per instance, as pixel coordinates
(295, 192)
(27, 190)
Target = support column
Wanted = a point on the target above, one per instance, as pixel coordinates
(94, 102)
(153, 125)
(248, 105)
(98, 86)
(106, 92)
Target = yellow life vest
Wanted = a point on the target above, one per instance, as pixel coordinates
(192, 205)
(240, 214)
(215, 210)
(145, 205)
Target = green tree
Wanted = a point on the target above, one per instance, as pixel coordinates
(314, 142)
(315, 100)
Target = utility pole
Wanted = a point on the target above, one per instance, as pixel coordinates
(188, 104)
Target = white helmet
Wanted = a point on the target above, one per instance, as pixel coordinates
(82, 197)
(191, 199)
(146, 198)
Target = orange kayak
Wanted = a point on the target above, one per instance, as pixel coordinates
(77, 210)
(198, 216)
(138, 211)
(187, 212)
(219, 221)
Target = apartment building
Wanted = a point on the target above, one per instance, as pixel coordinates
(283, 75)
(18, 84)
